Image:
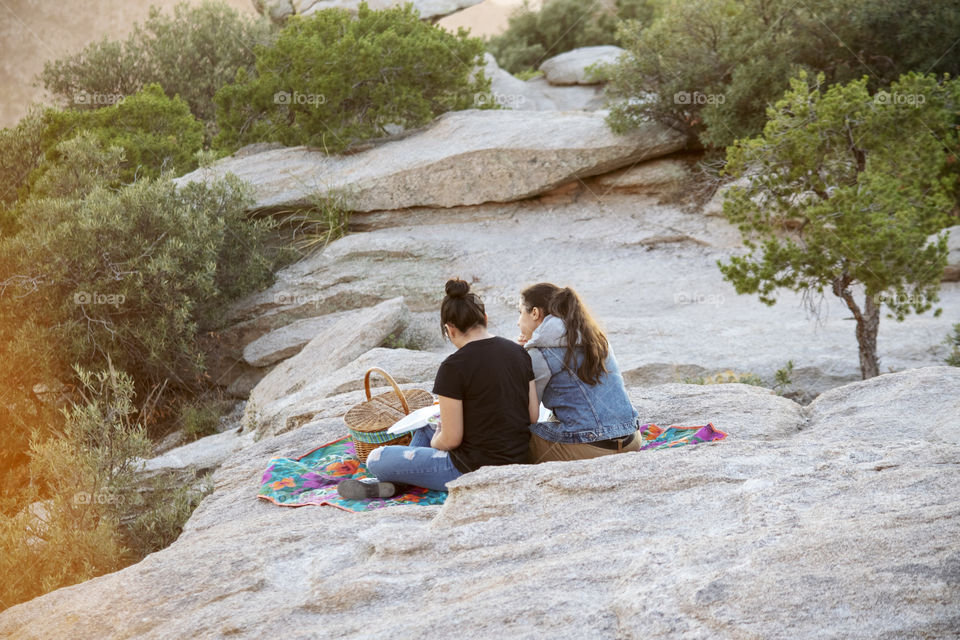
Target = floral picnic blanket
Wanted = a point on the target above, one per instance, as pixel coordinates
(313, 478)
(656, 437)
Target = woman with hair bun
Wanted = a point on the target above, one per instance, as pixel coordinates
(487, 402)
(577, 378)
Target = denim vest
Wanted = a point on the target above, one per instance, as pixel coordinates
(585, 413)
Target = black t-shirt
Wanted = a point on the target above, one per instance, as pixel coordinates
(492, 376)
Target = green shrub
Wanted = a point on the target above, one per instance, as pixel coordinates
(190, 54)
(21, 149)
(711, 68)
(82, 164)
(83, 474)
(156, 520)
(155, 133)
(55, 543)
(89, 512)
(332, 80)
(561, 25)
(135, 273)
(398, 341)
(727, 377)
(28, 351)
(317, 226)
(150, 266)
(953, 341)
(200, 416)
(783, 378)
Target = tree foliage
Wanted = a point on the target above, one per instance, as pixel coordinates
(190, 54)
(85, 513)
(711, 68)
(156, 133)
(54, 152)
(135, 273)
(842, 190)
(131, 274)
(953, 342)
(561, 25)
(21, 150)
(331, 80)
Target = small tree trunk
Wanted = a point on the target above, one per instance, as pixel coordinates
(868, 323)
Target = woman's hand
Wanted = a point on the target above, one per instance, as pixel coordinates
(522, 340)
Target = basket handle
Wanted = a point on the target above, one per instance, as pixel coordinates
(393, 383)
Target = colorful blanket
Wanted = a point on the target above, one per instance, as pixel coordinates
(655, 437)
(313, 478)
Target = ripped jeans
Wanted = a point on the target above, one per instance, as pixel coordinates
(418, 463)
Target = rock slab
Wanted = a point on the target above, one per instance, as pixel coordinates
(351, 336)
(462, 158)
(570, 67)
(280, 10)
(806, 530)
(536, 94)
(287, 340)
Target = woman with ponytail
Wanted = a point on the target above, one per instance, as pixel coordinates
(577, 378)
(487, 402)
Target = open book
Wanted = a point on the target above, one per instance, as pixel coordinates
(416, 419)
(431, 415)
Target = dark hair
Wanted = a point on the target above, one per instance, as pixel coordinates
(461, 308)
(564, 303)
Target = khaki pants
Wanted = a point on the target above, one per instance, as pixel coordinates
(545, 451)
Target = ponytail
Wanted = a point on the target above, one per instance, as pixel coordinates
(581, 328)
(568, 306)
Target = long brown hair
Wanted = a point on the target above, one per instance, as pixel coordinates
(564, 303)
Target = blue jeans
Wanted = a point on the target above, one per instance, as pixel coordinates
(418, 463)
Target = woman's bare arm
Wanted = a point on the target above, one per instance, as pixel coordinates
(534, 403)
(450, 434)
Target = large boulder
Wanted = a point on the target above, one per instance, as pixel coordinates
(198, 456)
(280, 10)
(923, 403)
(308, 296)
(648, 271)
(536, 94)
(331, 395)
(351, 336)
(655, 177)
(403, 365)
(288, 340)
(746, 410)
(312, 401)
(570, 67)
(567, 98)
(953, 245)
(462, 158)
(802, 523)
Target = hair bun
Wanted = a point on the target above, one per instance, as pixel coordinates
(457, 288)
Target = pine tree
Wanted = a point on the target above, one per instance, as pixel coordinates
(843, 190)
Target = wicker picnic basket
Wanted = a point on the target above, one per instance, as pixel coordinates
(368, 421)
